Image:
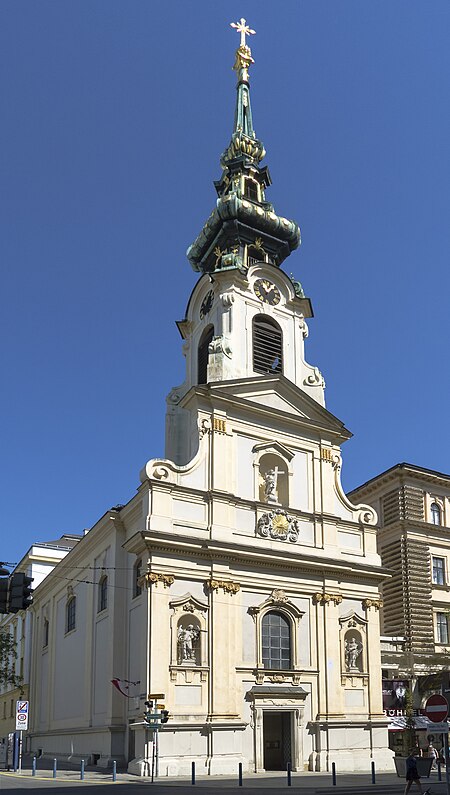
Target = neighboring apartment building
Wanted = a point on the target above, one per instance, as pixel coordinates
(413, 506)
(37, 563)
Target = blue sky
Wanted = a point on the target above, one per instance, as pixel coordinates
(114, 118)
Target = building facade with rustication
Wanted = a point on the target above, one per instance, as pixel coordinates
(413, 505)
(239, 581)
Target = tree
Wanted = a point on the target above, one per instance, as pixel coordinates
(8, 654)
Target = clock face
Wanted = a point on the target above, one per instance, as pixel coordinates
(207, 303)
(267, 292)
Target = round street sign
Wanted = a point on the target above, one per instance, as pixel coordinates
(436, 708)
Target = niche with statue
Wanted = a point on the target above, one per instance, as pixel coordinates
(352, 651)
(189, 632)
(353, 631)
(273, 480)
(188, 641)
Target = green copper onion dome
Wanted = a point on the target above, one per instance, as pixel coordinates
(242, 218)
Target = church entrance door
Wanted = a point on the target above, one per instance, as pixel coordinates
(277, 740)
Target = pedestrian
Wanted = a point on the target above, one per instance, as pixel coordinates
(412, 774)
(433, 754)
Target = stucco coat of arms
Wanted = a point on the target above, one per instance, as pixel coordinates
(279, 525)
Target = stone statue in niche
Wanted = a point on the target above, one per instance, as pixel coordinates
(353, 649)
(270, 485)
(187, 638)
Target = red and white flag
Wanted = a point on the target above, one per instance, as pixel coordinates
(124, 686)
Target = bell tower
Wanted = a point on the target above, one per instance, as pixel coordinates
(272, 567)
(245, 318)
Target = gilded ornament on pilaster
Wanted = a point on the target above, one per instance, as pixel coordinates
(367, 604)
(219, 425)
(151, 578)
(326, 454)
(326, 598)
(228, 586)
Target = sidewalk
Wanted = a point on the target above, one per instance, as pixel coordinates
(310, 783)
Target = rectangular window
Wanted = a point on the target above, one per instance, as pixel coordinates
(438, 571)
(442, 628)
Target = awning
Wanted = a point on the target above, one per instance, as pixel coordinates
(399, 723)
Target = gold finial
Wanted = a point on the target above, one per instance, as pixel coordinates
(243, 29)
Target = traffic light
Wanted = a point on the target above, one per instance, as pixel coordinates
(164, 715)
(4, 585)
(19, 592)
(148, 712)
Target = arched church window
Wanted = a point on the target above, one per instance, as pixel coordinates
(267, 345)
(71, 614)
(202, 360)
(102, 594)
(435, 513)
(137, 571)
(276, 641)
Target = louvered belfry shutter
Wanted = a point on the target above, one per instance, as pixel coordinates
(267, 346)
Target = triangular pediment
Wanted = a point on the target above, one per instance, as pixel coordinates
(274, 447)
(275, 401)
(276, 394)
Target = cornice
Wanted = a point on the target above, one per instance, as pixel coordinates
(398, 474)
(292, 559)
(220, 394)
(412, 527)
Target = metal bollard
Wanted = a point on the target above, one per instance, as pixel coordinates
(34, 766)
(240, 774)
(439, 771)
(288, 770)
(114, 770)
(82, 770)
(333, 773)
(373, 772)
(54, 768)
(193, 773)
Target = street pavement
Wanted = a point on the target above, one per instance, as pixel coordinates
(305, 783)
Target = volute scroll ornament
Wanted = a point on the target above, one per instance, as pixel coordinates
(315, 378)
(160, 473)
(204, 426)
(219, 345)
(227, 299)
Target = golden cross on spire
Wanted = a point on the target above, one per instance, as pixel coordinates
(243, 29)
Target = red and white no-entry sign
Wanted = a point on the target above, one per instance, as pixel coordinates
(436, 708)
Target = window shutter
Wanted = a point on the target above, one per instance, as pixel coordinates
(267, 346)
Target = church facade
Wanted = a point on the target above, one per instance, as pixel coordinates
(239, 581)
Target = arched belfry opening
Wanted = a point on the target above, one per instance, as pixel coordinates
(267, 345)
(203, 352)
